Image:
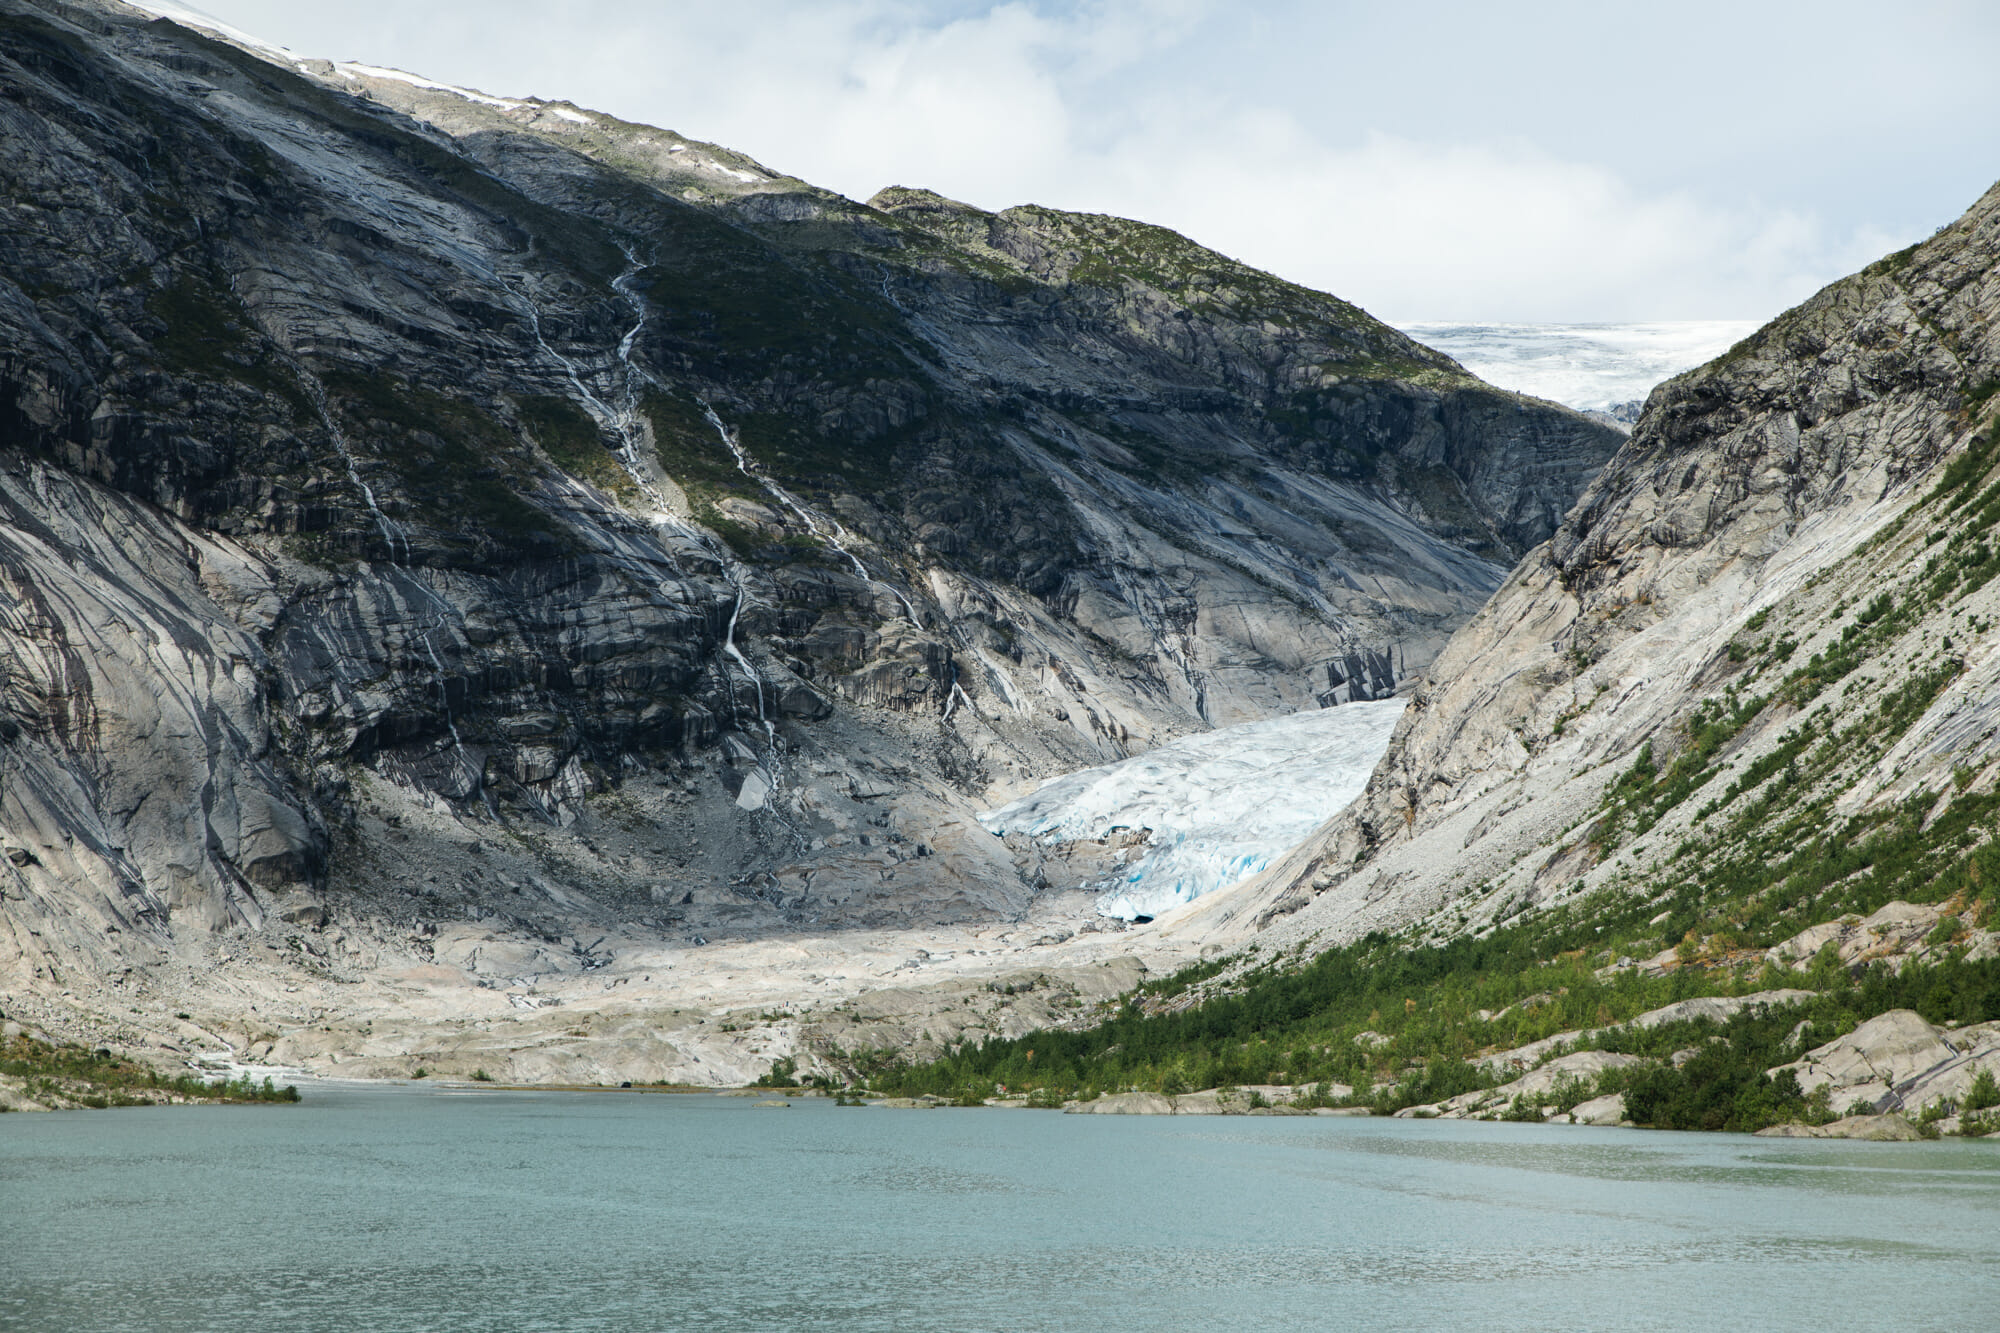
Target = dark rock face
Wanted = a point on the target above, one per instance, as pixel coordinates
(370, 451)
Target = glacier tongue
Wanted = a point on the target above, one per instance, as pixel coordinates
(1220, 806)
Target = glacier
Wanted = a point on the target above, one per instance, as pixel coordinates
(1219, 806)
(1591, 367)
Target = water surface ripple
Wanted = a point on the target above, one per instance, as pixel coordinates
(399, 1209)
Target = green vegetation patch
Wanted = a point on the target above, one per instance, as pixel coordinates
(207, 332)
(459, 466)
(747, 307)
(1404, 1024)
(693, 454)
(572, 441)
(70, 1075)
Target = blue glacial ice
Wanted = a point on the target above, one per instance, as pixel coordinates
(1220, 805)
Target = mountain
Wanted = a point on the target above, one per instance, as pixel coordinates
(1761, 635)
(464, 553)
(1693, 825)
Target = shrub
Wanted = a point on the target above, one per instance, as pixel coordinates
(784, 1073)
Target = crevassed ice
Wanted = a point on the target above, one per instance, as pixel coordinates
(1221, 805)
(1590, 366)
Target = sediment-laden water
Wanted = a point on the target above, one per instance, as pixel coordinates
(420, 1209)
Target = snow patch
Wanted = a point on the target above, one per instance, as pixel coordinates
(355, 71)
(1220, 806)
(564, 113)
(190, 17)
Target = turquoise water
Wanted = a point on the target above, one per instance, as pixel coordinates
(409, 1208)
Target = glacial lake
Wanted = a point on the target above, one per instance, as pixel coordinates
(412, 1208)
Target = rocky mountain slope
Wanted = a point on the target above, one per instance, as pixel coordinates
(1754, 659)
(473, 547)
(1693, 825)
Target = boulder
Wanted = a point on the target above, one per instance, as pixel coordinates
(1210, 1101)
(1864, 1065)
(1607, 1110)
(1124, 1103)
(1873, 1128)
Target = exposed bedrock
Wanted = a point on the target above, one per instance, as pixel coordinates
(426, 513)
(1778, 556)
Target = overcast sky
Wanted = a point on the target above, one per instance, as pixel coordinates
(1454, 160)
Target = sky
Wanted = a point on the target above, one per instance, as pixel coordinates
(1459, 160)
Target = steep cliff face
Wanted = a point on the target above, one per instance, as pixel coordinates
(1753, 662)
(427, 508)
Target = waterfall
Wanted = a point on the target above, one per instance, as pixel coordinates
(832, 533)
(622, 423)
(392, 533)
(394, 536)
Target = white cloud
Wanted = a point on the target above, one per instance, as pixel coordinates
(1477, 231)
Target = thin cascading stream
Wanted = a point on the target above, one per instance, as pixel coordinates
(832, 533)
(730, 650)
(392, 533)
(825, 529)
(623, 424)
(620, 423)
(393, 536)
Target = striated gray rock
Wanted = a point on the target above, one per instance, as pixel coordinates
(444, 536)
(1712, 1008)
(1277, 1100)
(1897, 1062)
(1863, 1065)
(1580, 1067)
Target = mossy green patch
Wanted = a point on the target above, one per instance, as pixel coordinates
(743, 306)
(572, 441)
(63, 1074)
(458, 466)
(692, 453)
(207, 332)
